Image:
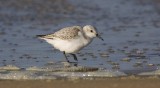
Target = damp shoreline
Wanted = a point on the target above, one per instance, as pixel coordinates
(124, 82)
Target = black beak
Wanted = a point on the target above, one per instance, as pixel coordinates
(99, 37)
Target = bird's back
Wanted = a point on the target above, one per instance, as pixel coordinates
(68, 32)
(64, 33)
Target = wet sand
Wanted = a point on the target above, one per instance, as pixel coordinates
(131, 82)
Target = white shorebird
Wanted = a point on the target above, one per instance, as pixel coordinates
(71, 39)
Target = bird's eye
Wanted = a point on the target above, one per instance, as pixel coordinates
(91, 30)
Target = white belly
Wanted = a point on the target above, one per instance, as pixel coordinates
(69, 46)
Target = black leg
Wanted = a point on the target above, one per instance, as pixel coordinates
(75, 57)
(65, 56)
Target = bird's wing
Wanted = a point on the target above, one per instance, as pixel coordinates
(65, 33)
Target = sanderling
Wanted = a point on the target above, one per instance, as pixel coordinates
(71, 39)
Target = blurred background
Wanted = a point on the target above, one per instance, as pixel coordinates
(130, 28)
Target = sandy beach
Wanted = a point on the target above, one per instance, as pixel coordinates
(124, 82)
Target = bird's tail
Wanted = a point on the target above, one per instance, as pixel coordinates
(40, 36)
(45, 36)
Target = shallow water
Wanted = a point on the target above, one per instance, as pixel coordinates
(130, 30)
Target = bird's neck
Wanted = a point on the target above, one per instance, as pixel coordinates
(87, 39)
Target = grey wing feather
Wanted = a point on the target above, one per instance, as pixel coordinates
(68, 32)
(65, 33)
